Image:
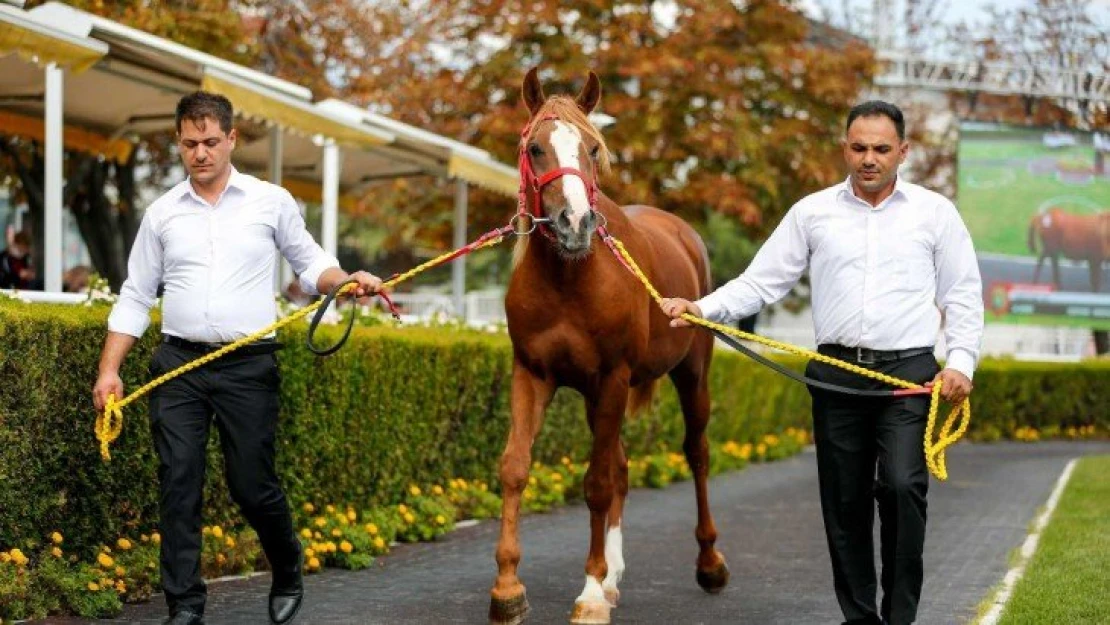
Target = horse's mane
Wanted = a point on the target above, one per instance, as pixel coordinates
(565, 109)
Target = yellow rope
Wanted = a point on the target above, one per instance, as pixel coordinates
(109, 424)
(934, 451)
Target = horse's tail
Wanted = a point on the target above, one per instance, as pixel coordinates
(640, 397)
(1031, 239)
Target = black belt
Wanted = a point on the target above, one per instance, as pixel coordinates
(264, 346)
(865, 356)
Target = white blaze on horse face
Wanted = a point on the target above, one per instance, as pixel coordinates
(567, 141)
(614, 559)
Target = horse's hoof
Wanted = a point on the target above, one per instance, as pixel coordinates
(714, 581)
(590, 613)
(508, 611)
(612, 595)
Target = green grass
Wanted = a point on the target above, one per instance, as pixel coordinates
(1068, 580)
(997, 199)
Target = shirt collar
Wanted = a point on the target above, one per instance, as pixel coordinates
(899, 193)
(235, 181)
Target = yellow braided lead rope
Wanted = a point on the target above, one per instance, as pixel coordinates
(934, 451)
(109, 424)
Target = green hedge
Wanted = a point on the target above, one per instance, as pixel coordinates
(394, 407)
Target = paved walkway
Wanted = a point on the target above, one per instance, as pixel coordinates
(770, 525)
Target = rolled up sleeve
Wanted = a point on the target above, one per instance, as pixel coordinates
(131, 313)
(304, 254)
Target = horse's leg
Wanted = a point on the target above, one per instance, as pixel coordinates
(1056, 271)
(1037, 271)
(614, 538)
(605, 411)
(530, 397)
(1096, 273)
(691, 379)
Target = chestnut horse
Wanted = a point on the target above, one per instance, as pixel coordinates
(578, 318)
(1078, 237)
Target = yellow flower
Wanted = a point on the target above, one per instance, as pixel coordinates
(336, 533)
(371, 529)
(760, 449)
(217, 531)
(403, 509)
(440, 520)
(56, 552)
(536, 465)
(321, 521)
(436, 490)
(105, 560)
(317, 535)
(313, 563)
(5, 556)
(123, 544)
(352, 515)
(346, 547)
(156, 538)
(306, 533)
(220, 558)
(120, 571)
(121, 587)
(565, 460)
(206, 530)
(482, 487)
(414, 490)
(229, 542)
(330, 509)
(532, 481)
(144, 538)
(309, 508)
(56, 538)
(308, 553)
(379, 543)
(331, 547)
(557, 477)
(18, 558)
(409, 518)
(93, 587)
(462, 483)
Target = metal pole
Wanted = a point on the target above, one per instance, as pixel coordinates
(284, 272)
(458, 268)
(52, 185)
(330, 230)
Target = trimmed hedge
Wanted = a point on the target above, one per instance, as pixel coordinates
(394, 407)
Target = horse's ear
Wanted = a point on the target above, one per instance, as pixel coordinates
(590, 95)
(532, 91)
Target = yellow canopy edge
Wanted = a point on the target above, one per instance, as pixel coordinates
(494, 176)
(254, 104)
(42, 49)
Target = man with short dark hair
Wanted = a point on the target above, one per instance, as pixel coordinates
(886, 258)
(211, 241)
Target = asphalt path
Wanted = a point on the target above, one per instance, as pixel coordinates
(770, 532)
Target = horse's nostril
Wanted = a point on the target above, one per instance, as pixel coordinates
(563, 220)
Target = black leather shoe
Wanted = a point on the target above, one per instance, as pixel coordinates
(285, 605)
(184, 617)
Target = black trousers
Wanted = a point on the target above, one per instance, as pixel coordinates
(241, 392)
(868, 450)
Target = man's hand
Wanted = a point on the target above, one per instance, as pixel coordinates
(368, 283)
(107, 384)
(956, 386)
(675, 307)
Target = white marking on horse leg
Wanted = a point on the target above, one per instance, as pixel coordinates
(592, 592)
(614, 559)
(567, 141)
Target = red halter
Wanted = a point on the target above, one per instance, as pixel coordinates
(532, 185)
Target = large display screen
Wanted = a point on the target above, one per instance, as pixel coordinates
(1037, 203)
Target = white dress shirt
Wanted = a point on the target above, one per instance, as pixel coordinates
(878, 274)
(217, 261)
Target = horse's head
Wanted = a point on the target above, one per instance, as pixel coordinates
(561, 156)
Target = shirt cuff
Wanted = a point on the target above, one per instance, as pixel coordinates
(310, 276)
(712, 308)
(128, 319)
(961, 360)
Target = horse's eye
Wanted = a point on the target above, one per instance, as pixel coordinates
(594, 151)
(535, 150)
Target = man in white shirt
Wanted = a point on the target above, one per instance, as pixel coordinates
(886, 257)
(211, 242)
